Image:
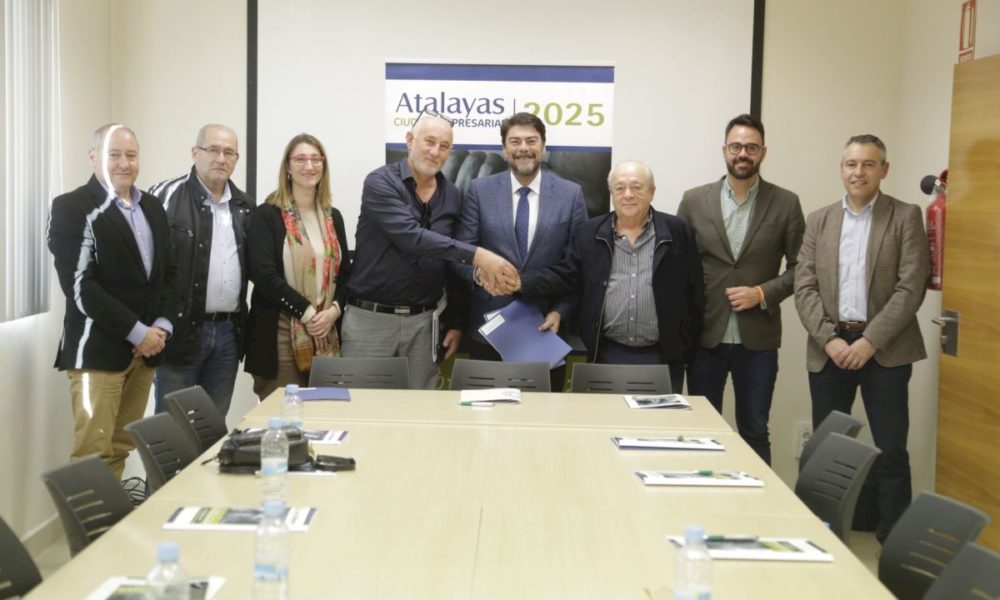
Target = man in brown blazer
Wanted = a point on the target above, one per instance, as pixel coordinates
(861, 277)
(745, 227)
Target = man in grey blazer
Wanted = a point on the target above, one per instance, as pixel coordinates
(745, 228)
(861, 277)
(525, 215)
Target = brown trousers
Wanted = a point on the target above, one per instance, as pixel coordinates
(104, 402)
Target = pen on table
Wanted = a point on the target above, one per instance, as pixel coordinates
(731, 538)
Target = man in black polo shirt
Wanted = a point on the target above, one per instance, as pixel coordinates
(403, 241)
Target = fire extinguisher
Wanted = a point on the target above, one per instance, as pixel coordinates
(938, 186)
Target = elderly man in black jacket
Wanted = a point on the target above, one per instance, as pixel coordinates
(209, 217)
(639, 277)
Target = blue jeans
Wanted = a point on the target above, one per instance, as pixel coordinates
(214, 367)
(885, 393)
(754, 373)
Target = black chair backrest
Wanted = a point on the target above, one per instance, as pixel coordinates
(18, 573)
(377, 373)
(89, 498)
(973, 575)
(831, 482)
(835, 422)
(924, 540)
(197, 416)
(481, 374)
(620, 379)
(163, 448)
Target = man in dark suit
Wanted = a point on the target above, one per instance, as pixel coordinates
(746, 227)
(110, 244)
(525, 215)
(861, 277)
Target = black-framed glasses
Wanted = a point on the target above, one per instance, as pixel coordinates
(736, 147)
(216, 151)
(433, 113)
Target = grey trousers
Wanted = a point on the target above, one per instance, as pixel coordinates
(367, 334)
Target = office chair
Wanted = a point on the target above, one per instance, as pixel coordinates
(377, 373)
(924, 540)
(89, 498)
(620, 379)
(973, 575)
(18, 573)
(835, 422)
(831, 481)
(163, 448)
(197, 416)
(478, 374)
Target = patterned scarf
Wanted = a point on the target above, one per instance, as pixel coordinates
(304, 262)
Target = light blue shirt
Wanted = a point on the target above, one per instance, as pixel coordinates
(736, 217)
(853, 262)
(224, 274)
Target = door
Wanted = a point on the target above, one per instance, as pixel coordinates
(968, 445)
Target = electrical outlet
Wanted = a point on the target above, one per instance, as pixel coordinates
(803, 431)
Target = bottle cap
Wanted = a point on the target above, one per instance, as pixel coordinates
(694, 534)
(167, 551)
(274, 508)
(292, 388)
(275, 423)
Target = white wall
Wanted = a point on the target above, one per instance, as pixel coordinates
(35, 409)
(829, 72)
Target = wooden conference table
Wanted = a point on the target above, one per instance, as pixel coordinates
(515, 501)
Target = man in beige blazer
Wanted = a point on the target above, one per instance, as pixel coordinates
(745, 228)
(861, 277)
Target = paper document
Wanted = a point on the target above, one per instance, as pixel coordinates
(677, 442)
(661, 401)
(312, 394)
(490, 396)
(513, 332)
(754, 548)
(133, 588)
(209, 518)
(704, 478)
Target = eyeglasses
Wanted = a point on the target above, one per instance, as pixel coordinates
(433, 113)
(301, 160)
(620, 188)
(736, 147)
(215, 151)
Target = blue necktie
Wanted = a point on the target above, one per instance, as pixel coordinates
(521, 222)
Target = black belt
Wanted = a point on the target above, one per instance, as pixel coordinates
(851, 326)
(221, 317)
(389, 309)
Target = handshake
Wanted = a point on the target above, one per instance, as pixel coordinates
(495, 274)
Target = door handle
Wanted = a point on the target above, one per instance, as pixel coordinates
(948, 322)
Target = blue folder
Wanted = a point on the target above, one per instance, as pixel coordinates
(513, 332)
(309, 394)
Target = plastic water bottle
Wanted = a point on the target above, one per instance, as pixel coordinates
(291, 408)
(693, 569)
(270, 567)
(274, 462)
(167, 581)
